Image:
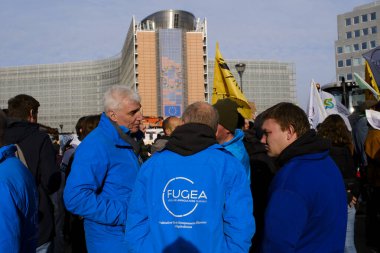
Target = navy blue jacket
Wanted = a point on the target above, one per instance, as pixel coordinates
(307, 209)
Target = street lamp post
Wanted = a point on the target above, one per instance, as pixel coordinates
(240, 67)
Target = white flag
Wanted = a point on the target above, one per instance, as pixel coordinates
(316, 111)
(331, 107)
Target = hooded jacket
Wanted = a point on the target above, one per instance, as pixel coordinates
(40, 157)
(191, 197)
(307, 208)
(18, 204)
(99, 186)
(237, 149)
(262, 172)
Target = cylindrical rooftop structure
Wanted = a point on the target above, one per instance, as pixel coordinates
(169, 19)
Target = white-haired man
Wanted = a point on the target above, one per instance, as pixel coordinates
(104, 171)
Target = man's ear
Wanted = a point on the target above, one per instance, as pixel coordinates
(291, 134)
(112, 115)
(31, 117)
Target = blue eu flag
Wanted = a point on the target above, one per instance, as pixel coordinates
(172, 110)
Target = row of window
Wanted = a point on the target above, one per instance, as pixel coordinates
(364, 18)
(350, 62)
(356, 47)
(362, 32)
(348, 77)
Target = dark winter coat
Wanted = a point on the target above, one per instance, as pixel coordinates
(40, 157)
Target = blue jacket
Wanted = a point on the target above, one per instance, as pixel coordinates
(307, 208)
(99, 186)
(237, 148)
(199, 202)
(18, 205)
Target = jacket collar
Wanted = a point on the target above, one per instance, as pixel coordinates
(7, 151)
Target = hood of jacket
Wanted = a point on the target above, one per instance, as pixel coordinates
(309, 143)
(238, 136)
(191, 138)
(19, 130)
(253, 143)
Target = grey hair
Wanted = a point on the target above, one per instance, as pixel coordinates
(203, 113)
(116, 94)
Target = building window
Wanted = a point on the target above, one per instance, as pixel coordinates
(339, 50)
(365, 31)
(347, 49)
(373, 29)
(356, 47)
(373, 43)
(348, 62)
(364, 18)
(348, 35)
(176, 18)
(356, 61)
(340, 63)
(349, 76)
(364, 45)
(357, 33)
(356, 20)
(373, 16)
(348, 21)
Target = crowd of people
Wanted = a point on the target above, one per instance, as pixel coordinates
(214, 182)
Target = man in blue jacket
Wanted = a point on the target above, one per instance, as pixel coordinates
(18, 201)
(104, 171)
(307, 208)
(229, 133)
(193, 196)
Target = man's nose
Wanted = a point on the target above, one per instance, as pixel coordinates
(140, 115)
(263, 139)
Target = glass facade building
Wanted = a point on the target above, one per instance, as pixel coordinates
(65, 91)
(164, 58)
(265, 83)
(170, 61)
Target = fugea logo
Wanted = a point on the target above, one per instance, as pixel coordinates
(181, 197)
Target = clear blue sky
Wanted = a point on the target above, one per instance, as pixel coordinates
(56, 31)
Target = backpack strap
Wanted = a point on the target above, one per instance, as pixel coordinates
(20, 155)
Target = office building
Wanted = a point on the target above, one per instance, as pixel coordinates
(357, 34)
(164, 58)
(65, 91)
(265, 83)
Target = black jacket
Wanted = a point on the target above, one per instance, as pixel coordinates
(345, 162)
(40, 157)
(262, 171)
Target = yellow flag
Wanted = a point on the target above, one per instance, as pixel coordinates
(370, 78)
(225, 86)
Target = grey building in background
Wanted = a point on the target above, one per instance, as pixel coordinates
(164, 58)
(65, 91)
(265, 83)
(357, 34)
